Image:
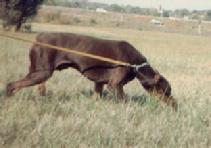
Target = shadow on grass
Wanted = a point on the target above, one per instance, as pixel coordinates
(2, 93)
(86, 93)
(89, 94)
(106, 95)
(139, 99)
(65, 97)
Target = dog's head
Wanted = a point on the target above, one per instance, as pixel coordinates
(153, 81)
(156, 84)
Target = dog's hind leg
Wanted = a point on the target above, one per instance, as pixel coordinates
(30, 80)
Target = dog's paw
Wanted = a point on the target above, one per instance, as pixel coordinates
(9, 90)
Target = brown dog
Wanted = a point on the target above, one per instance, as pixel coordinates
(44, 61)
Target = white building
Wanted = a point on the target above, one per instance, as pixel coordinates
(157, 22)
(101, 10)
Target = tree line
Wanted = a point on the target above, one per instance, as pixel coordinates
(85, 4)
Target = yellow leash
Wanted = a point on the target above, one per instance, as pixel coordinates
(69, 50)
(77, 52)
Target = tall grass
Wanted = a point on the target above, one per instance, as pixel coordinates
(69, 117)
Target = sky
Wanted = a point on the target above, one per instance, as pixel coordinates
(166, 4)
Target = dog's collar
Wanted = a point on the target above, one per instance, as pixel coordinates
(138, 66)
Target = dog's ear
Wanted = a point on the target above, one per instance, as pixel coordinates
(157, 77)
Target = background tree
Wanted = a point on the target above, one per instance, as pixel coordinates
(182, 12)
(115, 8)
(166, 14)
(16, 12)
(208, 15)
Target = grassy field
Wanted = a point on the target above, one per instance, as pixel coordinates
(72, 16)
(69, 117)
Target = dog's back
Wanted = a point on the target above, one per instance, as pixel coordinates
(117, 50)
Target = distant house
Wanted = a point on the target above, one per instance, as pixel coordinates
(157, 22)
(101, 10)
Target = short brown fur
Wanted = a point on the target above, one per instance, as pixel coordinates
(45, 61)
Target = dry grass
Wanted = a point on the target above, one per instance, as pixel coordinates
(72, 16)
(69, 117)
